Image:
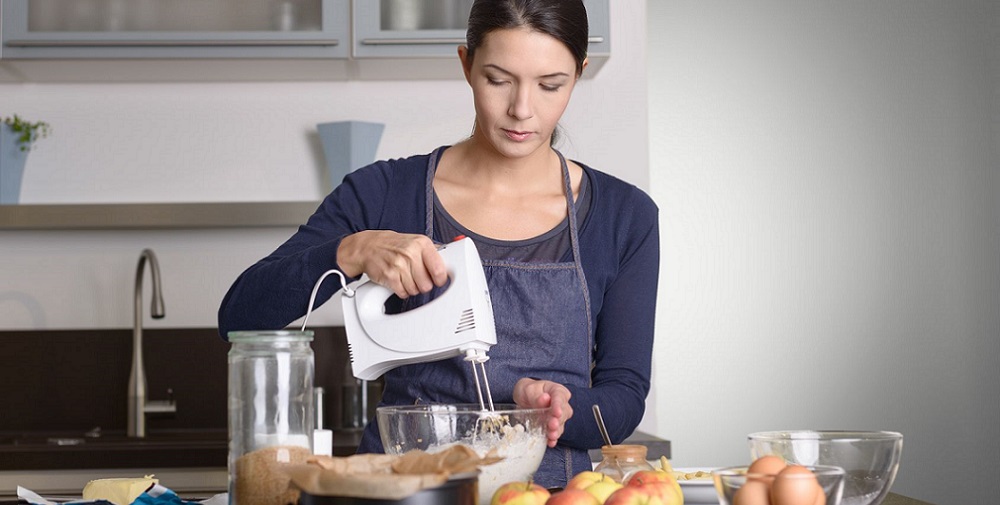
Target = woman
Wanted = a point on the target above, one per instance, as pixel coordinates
(571, 254)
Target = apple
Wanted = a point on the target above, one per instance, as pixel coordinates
(650, 476)
(520, 493)
(647, 476)
(573, 497)
(669, 493)
(584, 479)
(602, 489)
(633, 495)
(649, 493)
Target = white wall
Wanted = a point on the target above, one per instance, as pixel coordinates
(228, 141)
(826, 174)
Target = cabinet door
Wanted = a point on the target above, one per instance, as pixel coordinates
(40, 29)
(433, 28)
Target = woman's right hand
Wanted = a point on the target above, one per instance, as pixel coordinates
(408, 264)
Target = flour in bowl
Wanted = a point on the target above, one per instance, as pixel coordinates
(521, 447)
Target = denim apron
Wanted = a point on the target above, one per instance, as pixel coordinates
(544, 331)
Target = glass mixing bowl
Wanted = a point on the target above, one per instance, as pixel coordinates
(729, 480)
(515, 434)
(869, 458)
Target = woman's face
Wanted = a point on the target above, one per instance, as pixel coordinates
(521, 83)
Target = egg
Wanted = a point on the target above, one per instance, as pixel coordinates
(820, 495)
(795, 485)
(754, 492)
(766, 465)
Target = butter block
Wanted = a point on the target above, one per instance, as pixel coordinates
(122, 491)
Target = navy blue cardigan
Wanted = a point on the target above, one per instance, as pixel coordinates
(619, 248)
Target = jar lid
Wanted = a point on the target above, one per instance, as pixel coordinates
(270, 336)
(625, 450)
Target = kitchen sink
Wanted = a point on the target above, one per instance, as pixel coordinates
(75, 450)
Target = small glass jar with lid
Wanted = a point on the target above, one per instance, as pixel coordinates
(621, 461)
(270, 412)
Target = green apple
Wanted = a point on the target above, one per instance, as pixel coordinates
(584, 479)
(602, 489)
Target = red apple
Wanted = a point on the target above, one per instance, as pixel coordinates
(669, 492)
(647, 476)
(520, 493)
(584, 479)
(651, 493)
(573, 497)
(633, 495)
(652, 476)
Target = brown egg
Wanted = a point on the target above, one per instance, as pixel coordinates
(752, 493)
(795, 485)
(766, 465)
(820, 495)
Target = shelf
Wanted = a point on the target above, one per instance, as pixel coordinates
(154, 215)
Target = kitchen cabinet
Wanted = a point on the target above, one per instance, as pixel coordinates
(433, 28)
(211, 40)
(55, 29)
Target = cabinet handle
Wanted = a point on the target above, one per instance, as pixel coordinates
(169, 43)
(434, 41)
(409, 42)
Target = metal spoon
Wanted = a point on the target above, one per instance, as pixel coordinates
(601, 426)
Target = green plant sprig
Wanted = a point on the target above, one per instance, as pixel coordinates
(27, 132)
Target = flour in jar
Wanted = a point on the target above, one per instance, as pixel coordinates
(521, 447)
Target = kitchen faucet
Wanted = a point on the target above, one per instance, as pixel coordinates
(138, 407)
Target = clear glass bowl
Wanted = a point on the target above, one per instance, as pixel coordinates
(516, 434)
(869, 458)
(729, 480)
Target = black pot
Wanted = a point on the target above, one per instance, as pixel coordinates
(459, 491)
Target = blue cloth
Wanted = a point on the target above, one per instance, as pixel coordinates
(619, 254)
(159, 495)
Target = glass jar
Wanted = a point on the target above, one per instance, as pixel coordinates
(270, 412)
(621, 461)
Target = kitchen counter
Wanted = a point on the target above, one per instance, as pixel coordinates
(891, 499)
(176, 449)
(62, 470)
(167, 449)
(52, 484)
(898, 499)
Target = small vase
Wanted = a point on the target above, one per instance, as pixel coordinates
(12, 161)
(348, 145)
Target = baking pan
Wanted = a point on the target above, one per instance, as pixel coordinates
(463, 491)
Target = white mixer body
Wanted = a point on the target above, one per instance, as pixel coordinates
(457, 322)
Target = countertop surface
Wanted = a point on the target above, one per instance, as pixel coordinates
(892, 499)
(897, 499)
(205, 482)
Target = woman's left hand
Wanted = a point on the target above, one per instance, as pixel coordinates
(532, 393)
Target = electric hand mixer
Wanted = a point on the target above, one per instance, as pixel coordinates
(457, 322)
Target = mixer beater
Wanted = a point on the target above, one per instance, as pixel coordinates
(480, 358)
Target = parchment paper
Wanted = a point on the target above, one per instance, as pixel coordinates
(383, 476)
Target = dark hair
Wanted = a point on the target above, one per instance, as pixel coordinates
(565, 20)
